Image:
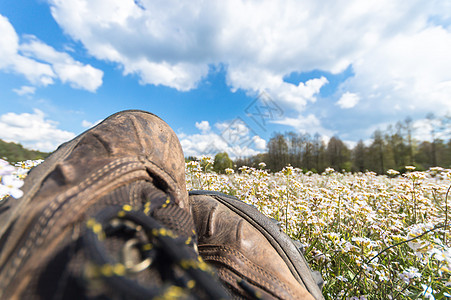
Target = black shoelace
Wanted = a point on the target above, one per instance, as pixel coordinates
(175, 250)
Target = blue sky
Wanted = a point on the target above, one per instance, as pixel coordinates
(224, 75)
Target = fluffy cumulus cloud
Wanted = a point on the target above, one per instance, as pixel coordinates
(174, 43)
(41, 64)
(233, 137)
(409, 72)
(32, 130)
(348, 100)
(260, 143)
(306, 124)
(203, 126)
(398, 50)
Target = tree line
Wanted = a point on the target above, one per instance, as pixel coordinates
(392, 148)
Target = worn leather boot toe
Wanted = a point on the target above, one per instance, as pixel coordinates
(106, 216)
(254, 258)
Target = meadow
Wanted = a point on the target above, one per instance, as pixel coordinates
(370, 236)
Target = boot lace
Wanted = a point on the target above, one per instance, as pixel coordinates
(162, 247)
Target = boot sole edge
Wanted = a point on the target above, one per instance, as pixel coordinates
(274, 234)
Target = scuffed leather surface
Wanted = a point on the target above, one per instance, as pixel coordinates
(239, 250)
(127, 147)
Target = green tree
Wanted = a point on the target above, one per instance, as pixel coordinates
(358, 157)
(338, 155)
(277, 153)
(222, 162)
(319, 153)
(13, 152)
(408, 126)
(377, 153)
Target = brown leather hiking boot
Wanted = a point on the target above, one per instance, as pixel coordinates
(105, 216)
(252, 255)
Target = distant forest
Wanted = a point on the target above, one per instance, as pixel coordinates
(393, 148)
(13, 152)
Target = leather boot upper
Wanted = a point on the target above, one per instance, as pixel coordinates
(129, 158)
(240, 251)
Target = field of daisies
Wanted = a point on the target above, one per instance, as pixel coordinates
(370, 236)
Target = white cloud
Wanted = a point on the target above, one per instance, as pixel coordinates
(234, 137)
(421, 130)
(260, 143)
(41, 64)
(398, 50)
(425, 129)
(235, 129)
(25, 90)
(88, 124)
(174, 43)
(203, 126)
(258, 80)
(10, 60)
(409, 71)
(309, 124)
(33, 131)
(348, 100)
(350, 144)
(212, 143)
